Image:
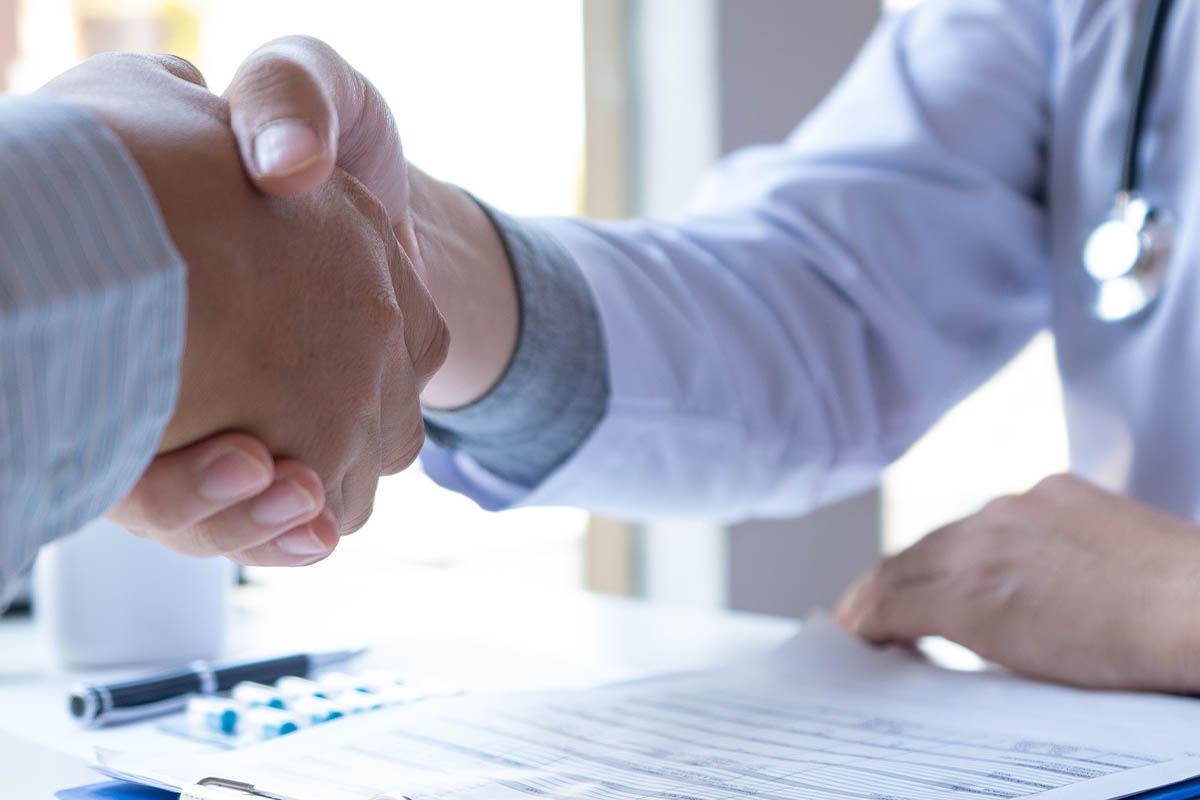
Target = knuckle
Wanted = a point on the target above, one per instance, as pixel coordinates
(980, 574)
(387, 322)
(335, 503)
(1001, 508)
(355, 524)
(882, 580)
(987, 583)
(181, 68)
(942, 543)
(946, 549)
(436, 347)
(407, 451)
(358, 511)
(369, 206)
(1054, 486)
(355, 419)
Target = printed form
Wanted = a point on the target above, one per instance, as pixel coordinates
(824, 718)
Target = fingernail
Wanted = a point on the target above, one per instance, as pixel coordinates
(283, 502)
(285, 147)
(301, 542)
(231, 476)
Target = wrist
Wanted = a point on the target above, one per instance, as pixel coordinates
(467, 272)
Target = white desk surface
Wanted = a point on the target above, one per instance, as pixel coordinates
(423, 623)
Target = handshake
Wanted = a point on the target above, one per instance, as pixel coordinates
(311, 331)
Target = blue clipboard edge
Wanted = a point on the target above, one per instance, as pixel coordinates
(1183, 790)
(120, 790)
(115, 790)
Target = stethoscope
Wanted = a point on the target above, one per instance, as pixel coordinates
(1125, 257)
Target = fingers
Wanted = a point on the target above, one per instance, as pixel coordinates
(305, 544)
(284, 118)
(225, 495)
(878, 611)
(293, 498)
(298, 109)
(186, 486)
(902, 599)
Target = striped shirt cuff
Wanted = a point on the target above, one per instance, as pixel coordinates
(554, 391)
(92, 314)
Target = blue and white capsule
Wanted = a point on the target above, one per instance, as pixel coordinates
(206, 713)
(264, 722)
(335, 683)
(357, 702)
(253, 695)
(292, 686)
(314, 710)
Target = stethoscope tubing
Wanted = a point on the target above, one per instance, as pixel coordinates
(1150, 50)
(1127, 256)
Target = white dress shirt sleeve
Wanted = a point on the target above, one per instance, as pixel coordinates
(92, 310)
(826, 299)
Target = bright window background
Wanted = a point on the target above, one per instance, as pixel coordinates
(486, 94)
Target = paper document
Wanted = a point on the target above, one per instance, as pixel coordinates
(824, 718)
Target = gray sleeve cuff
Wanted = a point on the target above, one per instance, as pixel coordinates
(555, 390)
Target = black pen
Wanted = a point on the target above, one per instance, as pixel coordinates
(102, 704)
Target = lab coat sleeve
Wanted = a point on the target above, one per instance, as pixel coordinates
(92, 309)
(826, 299)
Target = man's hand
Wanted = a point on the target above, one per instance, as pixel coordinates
(307, 327)
(298, 110)
(1066, 583)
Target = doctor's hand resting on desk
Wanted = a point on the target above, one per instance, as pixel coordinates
(1066, 583)
(826, 299)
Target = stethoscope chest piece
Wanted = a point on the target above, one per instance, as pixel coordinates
(1126, 258)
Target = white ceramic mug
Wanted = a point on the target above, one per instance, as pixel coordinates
(109, 598)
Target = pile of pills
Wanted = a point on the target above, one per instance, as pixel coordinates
(256, 711)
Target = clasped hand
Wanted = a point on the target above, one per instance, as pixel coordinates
(309, 331)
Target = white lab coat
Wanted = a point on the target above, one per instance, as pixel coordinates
(826, 299)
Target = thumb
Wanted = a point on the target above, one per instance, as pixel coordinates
(298, 109)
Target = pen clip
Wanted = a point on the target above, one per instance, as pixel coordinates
(250, 790)
(238, 786)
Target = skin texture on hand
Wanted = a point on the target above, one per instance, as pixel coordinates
(307, 327)
(316, 111)
(316, 114)
(1066, 582)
